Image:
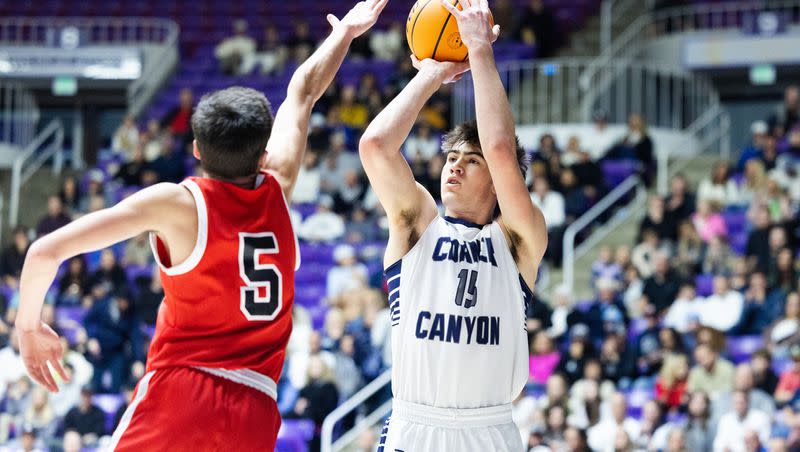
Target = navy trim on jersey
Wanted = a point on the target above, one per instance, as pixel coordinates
(466, 223)
(392, 275)
(527, 294)
(384, 434)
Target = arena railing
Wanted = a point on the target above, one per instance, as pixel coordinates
(611, 11)
(2, 212)
(20, 115)
(571, 252)
(49, 143)
(327, 444)
(712, 16)
(158, 33)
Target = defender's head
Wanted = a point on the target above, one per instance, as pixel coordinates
(466, 183)
(231, 129)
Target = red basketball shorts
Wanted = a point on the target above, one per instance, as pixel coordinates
(186, 409)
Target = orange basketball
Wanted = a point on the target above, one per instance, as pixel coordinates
(432, 32)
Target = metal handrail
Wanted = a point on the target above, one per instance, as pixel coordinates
(156, 71)
(2, 206)
(20, 114)
(31, 159)
(609, 11)
(712, 132)
(719, 15)
(327, 444)
(568, 266)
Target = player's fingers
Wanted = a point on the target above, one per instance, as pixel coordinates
(332, 20)
(48, 378)
(466, 3)
(449, 7)
(379, 5)
(56, 363)
(415, 62)
(495, 32)
(484, 4)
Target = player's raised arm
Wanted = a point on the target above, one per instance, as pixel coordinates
(408, 205)
(287, 142)
(136, 214)
(522, 220)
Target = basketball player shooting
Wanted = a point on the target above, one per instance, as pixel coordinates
(227, 254)
(458, 284)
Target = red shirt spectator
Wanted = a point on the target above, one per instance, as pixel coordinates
(672, 381)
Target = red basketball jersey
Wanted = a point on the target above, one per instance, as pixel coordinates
(229, 304)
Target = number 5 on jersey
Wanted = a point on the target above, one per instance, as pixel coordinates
(259, 278)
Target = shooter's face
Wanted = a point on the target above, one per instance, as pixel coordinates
(465, 180)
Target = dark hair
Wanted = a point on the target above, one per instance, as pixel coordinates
(232, 127)
(762, 352)
(467, 132)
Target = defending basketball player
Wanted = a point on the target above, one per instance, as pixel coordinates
(458, 284)
(227, 253)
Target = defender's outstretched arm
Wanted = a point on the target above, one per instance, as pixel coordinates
(147, 210)
(287, 142)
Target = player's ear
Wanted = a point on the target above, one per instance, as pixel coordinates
(262, 162)
(195, 151)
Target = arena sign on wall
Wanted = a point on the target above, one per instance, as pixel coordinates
(101, 63)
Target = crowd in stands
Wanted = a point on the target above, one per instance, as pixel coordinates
(648, 364)
(104, 304)
(692, 340)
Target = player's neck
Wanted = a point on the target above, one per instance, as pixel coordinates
(471, 217)
(246, 182)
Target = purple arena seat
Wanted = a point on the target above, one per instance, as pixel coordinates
(69, 320)
(742, 347)
(637, 398)
(616, 171)
(109, 403)
(738, 242)
(704, 284)
(294, 435)
(318, 314)
(735, 221)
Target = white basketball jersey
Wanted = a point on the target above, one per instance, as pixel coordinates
(457, 303)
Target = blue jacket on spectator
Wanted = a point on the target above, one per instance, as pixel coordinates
(113, 323)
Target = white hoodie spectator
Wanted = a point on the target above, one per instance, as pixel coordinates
(733, 426)
(787, 176)
(126, 139)
(550, 202)
(421, 143)
(347, 274)
(601, 138)
(719, 187)
(604, 434)
(323, 225)
(684, 311)
(387, 45)
(11, 366)
(723, 309)
(306, 189)
(236, 49)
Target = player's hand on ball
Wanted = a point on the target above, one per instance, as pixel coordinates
(39, 347)
(474, 23)
(359, 19)
(446, 71)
